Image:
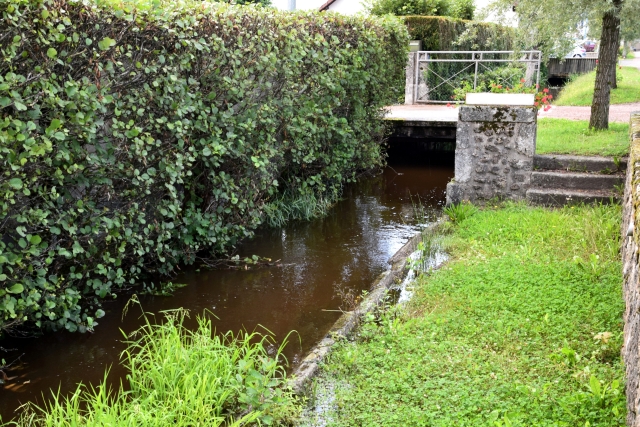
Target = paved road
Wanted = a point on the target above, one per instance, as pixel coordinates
(617, 113)
(631, 62)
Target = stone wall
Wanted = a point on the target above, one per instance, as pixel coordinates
(494, 153)
(631, 286)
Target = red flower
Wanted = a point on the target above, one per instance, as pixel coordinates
(596, 61)
(448, 104)
(522, 80)
(545, 90)
(550, 96)
(536, 103)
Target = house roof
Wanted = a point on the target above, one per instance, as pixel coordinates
(326, 5)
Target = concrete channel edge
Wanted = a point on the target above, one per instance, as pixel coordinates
(348, 321)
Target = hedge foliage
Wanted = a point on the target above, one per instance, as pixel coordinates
(137, 139)
(444, 33)
(462, 9)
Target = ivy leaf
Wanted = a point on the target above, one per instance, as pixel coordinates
(106, 43)
(35, 240)
(16, 289)
(19, 106)
(15, 183)
(52, 53)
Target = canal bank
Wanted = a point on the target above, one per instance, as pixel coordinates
(313, 266)
(522, 326)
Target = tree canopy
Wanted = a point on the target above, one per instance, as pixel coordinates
(462, 9)
(553, 28)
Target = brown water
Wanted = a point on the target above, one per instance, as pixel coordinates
(317, 261)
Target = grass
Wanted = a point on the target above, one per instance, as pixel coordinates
(563, 136)
(181, 378)
(522, 327)
(579, 91)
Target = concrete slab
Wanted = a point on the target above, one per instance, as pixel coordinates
(422, 113)
(512, 99)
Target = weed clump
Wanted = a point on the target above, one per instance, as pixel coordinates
(180, 377)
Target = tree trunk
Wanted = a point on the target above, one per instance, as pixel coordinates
(605, 72)
(614, 74)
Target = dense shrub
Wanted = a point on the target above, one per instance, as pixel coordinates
(443, 33)
(462, 9)
(447, 34)
(133, 140)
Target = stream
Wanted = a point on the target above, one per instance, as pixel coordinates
(316, 263)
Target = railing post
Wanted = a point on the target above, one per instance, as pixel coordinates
(475, 75)
(410, 84)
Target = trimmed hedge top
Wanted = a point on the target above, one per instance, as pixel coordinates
(134, 140)
(443, 33)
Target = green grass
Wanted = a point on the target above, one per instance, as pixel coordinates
(563, 136)
(181, 378)
(522, 327)
(580, 90)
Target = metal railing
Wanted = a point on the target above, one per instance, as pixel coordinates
(434, 76)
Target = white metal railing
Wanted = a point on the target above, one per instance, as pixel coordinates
(425, 78)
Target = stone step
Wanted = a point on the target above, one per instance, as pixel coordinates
(575, 180)
(579, 163)
(561, 197)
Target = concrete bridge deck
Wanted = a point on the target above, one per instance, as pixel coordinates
(429, 113)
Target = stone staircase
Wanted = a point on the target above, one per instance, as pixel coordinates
(559, 180)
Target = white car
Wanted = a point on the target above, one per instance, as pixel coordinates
(577, 52)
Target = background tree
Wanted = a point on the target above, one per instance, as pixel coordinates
(462, 9)
(552, 26)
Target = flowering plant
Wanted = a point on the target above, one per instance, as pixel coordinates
(542, 98)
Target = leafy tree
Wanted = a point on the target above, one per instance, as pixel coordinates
(462, 9)
(551, 26)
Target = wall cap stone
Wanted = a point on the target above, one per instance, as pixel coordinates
(511, 99)
(498, 114)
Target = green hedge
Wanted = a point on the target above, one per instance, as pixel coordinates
(443, 33)
(136, 140)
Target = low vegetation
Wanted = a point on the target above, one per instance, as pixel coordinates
(563, 136)
(579, 91)
(522, 327)
(181, 378)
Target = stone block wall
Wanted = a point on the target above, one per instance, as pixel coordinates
(631, 285)
(495, 146)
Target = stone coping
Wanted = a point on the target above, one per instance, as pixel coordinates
(510, 99)
(630, 239)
